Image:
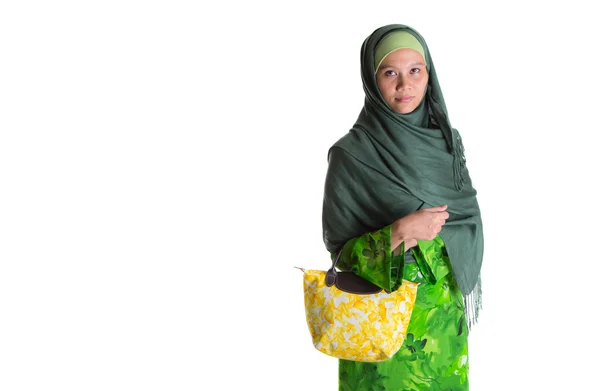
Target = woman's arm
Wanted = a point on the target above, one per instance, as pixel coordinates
(376, 255)
(367, 247)
(424, 224)
(372, 257)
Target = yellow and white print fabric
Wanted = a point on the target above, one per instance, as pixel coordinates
(367, 328)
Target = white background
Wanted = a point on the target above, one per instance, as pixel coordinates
(162, 167)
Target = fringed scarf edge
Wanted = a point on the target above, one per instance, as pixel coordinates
(473, 304)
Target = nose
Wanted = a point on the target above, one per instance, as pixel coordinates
(402, 83)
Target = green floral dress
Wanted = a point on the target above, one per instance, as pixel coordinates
(434, 355)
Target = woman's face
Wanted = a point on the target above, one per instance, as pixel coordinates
(402, 78)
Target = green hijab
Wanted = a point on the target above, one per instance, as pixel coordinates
(390, 165)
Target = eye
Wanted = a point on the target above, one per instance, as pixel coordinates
(415, 70)
(390, 73)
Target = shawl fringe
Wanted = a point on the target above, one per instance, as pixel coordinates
(473, 304)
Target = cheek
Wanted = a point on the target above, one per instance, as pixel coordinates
(424, 83)
(383, 89)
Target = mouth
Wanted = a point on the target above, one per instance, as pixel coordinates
(404, 99)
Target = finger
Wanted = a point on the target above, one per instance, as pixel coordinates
(440, 217)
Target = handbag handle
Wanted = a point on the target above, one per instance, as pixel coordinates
(331, 275)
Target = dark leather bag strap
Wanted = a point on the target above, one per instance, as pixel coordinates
(349, 282)
(331, 275)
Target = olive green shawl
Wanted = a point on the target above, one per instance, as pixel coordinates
(391, 164)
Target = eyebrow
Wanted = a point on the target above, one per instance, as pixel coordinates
(412, 64)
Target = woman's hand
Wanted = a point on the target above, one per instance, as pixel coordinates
(424, 224)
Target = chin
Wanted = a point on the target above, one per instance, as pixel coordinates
(403, 110)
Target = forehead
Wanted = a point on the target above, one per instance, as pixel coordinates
(404, 56)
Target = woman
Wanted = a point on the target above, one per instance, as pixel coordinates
(399, 177)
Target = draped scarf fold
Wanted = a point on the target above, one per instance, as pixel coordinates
(389, 165)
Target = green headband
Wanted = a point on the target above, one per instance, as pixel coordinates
(394, 41)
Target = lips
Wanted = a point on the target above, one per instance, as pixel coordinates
(404, 99)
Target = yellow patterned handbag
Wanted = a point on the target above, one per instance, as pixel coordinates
(353, 319)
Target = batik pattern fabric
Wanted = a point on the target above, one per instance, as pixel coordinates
(434, 355)
(358, 327)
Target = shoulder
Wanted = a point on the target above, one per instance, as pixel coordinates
(352, 146)
(355, 138)
(353, 156)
